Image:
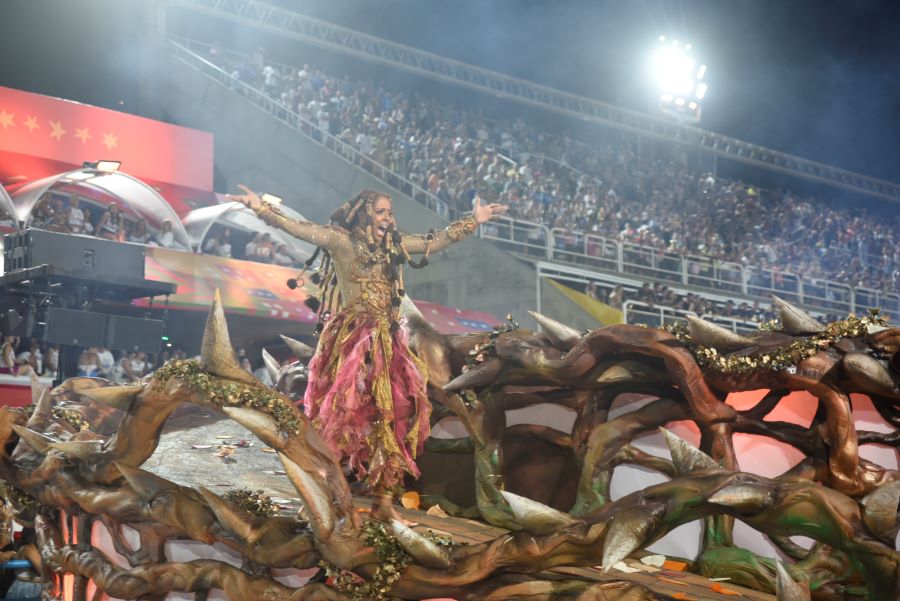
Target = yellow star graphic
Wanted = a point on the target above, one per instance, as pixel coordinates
(110, 141)
(32, 124)
(6, 119)
(58, 132)
(82, 134)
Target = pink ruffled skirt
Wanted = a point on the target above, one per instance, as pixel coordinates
(367, 397)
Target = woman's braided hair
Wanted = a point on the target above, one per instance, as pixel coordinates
(356, 216)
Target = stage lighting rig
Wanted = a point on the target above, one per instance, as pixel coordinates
(106, 166)
(678, 77)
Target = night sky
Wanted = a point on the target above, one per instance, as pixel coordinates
(814, 78)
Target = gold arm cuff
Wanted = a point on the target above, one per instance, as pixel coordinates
(458, 230)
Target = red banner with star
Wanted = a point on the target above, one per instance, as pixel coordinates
(72, 133)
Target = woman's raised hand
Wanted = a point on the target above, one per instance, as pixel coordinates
(483, 213)
(249, 198)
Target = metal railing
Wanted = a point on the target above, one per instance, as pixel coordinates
(512, 155)
(656, 316)
(254, 13)
(696, 271)
(323, 138)
(568, 246)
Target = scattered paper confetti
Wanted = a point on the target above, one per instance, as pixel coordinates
(718, 588)
(623, 567)
(436, 511)
(683, 597)
(225, 453)
(268, 450)
(223, 437)
(410, 500)
(672, 581)
(201, 446)
(719, 579)
(675, 566)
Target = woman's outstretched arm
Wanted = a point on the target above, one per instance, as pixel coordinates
(320, 235)
(456, 231)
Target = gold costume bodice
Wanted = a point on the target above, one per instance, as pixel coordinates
(361, 273)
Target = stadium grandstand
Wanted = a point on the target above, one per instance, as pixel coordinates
(635, 292)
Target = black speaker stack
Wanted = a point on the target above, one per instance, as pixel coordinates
(75, 291)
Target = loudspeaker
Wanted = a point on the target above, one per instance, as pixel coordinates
(75, 328)
(134, 334)
(72, 255)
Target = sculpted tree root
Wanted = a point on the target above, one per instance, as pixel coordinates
(64, 467)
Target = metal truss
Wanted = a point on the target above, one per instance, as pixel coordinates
(327, 35)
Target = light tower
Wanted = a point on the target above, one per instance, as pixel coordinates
(678, 78)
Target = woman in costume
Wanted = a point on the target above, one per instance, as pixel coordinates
(366, 392)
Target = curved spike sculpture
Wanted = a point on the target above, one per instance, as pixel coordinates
(848, 507)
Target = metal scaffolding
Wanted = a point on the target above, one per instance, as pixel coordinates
(327, 35)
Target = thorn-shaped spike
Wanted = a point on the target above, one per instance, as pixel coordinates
(261, 424)
(535, 517)
(559, 334)
(868, 373)
(119, 397)
(43, 403)
(38, 390)
(82, 449)
(686, 456)
(481, 375)
(880, 511)
(316, 498)
(626, 533)
(786, 589)
(710, 335)
(615, 375)
(424, 551)
(743, 496)
(794, 320)
(272, 365)
(37, 441)
(146, 485)
(216, 354)
(232, 517)
(300, 350)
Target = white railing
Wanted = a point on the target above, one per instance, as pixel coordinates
(512, 155)
(696, 271)
(286, 115)
(655, 316)
(327, 35)
(567, 246)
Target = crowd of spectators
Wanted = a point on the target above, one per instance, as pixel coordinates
(249, 246)
(658, 295)
(604, 189)
(76, 215)
(72, 214)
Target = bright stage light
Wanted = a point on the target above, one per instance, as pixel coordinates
(103, 165)
(678, 79)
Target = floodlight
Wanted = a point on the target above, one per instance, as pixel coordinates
(678, 79)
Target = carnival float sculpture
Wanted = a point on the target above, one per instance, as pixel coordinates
(79, 450)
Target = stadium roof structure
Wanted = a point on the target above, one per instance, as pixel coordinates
(290, 24)
(136, 195)
(199, 223)
(7, 208)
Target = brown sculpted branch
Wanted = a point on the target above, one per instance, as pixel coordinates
(64, 454)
